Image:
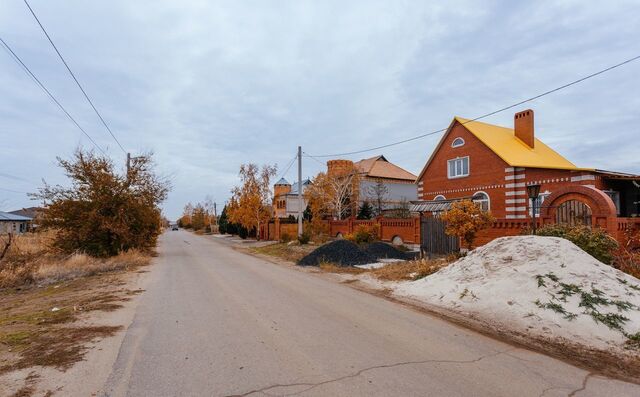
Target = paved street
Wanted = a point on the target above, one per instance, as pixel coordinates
(217, 322)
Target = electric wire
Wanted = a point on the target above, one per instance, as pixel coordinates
(26, 69)
(288, 166)
(74, 78)
(487, 114)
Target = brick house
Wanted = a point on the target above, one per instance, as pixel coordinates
(285, 198)
(493, 165)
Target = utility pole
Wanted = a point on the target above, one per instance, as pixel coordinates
(128, 165)
(300, 202)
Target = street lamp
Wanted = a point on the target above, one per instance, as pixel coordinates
(533, 191)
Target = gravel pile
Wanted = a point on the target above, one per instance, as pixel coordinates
(385, 251)
(339, 252)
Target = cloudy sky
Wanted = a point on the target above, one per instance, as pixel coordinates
(208, 85)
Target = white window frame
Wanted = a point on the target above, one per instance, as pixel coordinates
(439, 198)
(455, 161)
(487, 200)
(458, 142)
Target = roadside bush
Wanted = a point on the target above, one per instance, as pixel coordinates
(243, 233)
(594, 241)
(627, 257)
(364, 234)
(304, 238)
(101, 212)
(285, 237)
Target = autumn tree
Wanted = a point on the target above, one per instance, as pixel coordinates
(198, 217)
(103, 213)
(185, 220)
(465, 219)
(250, 202)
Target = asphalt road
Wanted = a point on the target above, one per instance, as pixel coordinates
(217, 322)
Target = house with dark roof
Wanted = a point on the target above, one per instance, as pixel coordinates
(493, 165)
(285, 198)
(12, 223)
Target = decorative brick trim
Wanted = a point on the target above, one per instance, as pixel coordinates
(516, 209)
(516, 193)
(510, 216)
(583, 178)
(514, 176)
(516, 201)
(514, 185)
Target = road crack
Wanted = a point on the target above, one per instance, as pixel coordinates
(584, 384)
(310, 385)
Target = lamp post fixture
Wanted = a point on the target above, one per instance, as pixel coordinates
(533, 191)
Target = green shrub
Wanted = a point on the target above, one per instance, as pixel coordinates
(594, 241)
(304, 238)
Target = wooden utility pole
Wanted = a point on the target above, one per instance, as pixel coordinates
(300, 202)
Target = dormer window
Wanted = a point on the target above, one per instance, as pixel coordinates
(457, 142)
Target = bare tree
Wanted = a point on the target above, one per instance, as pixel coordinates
(378, 194)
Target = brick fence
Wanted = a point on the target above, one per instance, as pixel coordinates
(407, 229)
(390, 228)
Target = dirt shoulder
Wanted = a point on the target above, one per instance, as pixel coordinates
(46, 330)
(597, 361)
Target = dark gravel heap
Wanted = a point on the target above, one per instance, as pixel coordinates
(340, 252)
(382, 250)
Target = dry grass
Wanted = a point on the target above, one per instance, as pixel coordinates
(395, 271)
(38, 325)
(291, 253)
(409, 270)
(31, 260)
(333, 268)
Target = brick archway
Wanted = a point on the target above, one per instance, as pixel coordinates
(603, 210)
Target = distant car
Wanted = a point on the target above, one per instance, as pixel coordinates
(174, 227)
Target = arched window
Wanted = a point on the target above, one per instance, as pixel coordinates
(457, 142)
(439, 198)
(482, 199)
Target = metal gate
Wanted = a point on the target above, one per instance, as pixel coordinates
(573, 212)
(433, 238)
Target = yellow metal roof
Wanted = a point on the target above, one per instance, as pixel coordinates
(503, 142)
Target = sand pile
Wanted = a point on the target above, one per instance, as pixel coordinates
(539, 285)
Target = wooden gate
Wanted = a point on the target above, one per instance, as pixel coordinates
(433, 238)
(573, 212)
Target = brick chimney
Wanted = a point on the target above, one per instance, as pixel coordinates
(523, 127)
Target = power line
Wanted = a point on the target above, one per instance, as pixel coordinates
(487, 114)
(13, 191)
(74, 78)
(313, 158)
(289, 166)
(26, 69)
